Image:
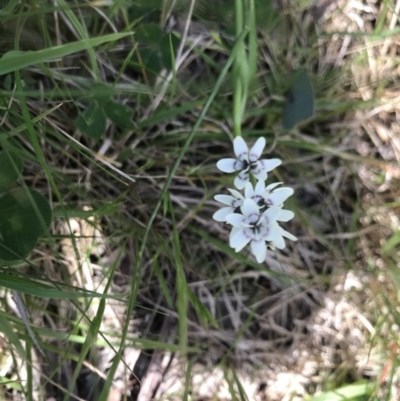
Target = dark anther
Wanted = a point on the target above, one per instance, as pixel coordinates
(253, 165)
(237, 210)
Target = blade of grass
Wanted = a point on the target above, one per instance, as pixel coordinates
(38, 289)
(83, 34)
(345, 393)
(9, 333)
(181, 285)
(22, 127)
(25, 318)
(29, 376)
(14, 61)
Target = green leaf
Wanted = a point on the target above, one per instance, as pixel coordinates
(169, 46)
(119, 114)
(150, 35)
(38, 289)
(346, 393)
(151, 61)
(8, 82)
(202, 311)
(392, 242)
(12, 337)
(101, 93)
(24, 216)
(299, 103)
(158, 49)
(92, 121)
(10, 168)
(7, 7)
(19, 60)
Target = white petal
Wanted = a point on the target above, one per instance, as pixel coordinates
(271, 215)
(270, 187)
(259, 249)
(241, 180)
(221, 214)
(270, 164)
(285, 215)
(250, 208)
(248, 190)
(236, 194)
(260, 187)
(271, 233)
(279, 242)
(225, 199)
(235, 219)
(260, 174)
(239, 240)
(240, 148)
(233, 232)
(229, 165)
(257, 149)
(286, 234)
(279, 196)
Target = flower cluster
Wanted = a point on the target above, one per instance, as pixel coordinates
(254, 215)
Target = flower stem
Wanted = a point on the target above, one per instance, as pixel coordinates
(245, 64)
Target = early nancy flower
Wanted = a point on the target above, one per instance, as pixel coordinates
(233, 203)
(267, 196)
(263, 196)
(254, 227)
(248, 162)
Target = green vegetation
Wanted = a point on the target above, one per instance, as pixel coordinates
(113, 115)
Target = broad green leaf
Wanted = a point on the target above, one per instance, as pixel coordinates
(119, 114)
(299, 103)
(169, 46)
(155, 50)
(92, 121)
(150, 60)
(10, 168)
(8, 82)
(24, 216)
(101, 93)
(150, 35)
(24, 59)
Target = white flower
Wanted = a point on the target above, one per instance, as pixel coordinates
(278, 241)
(233, 204)
(264, 197)
(247, 162)
(254, 227)
(267, 196)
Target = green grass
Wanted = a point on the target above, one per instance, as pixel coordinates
(133, 261)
